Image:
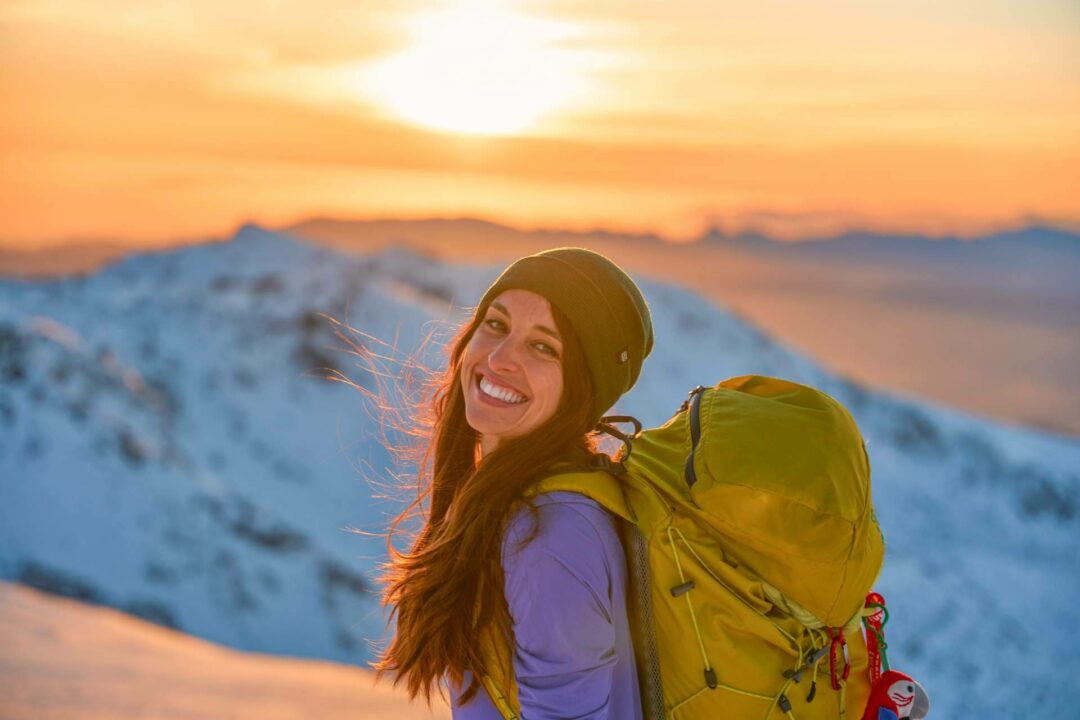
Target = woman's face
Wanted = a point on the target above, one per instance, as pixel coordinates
(511, 370)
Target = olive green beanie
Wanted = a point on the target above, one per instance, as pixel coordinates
(604, 306)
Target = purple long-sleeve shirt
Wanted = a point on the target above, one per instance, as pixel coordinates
(573, 655)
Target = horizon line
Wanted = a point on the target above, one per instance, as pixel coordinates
(729, 228)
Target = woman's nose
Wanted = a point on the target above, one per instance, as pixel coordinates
(504, 356)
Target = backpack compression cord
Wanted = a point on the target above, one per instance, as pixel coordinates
(893, 695)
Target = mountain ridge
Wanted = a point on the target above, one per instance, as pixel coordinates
(90, 256)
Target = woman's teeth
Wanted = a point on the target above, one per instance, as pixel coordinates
(498, 393)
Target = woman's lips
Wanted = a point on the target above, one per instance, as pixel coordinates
(496, 402)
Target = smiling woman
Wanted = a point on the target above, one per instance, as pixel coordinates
(482, 70)
(496, 567)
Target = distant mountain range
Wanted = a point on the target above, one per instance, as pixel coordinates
(1033, 243)
(1052, 254)
(1039, 238)
(168, 447)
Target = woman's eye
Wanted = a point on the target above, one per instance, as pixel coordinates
(546, 349)
(495, 324)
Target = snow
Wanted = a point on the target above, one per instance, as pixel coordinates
(62, 659)
(168, 447)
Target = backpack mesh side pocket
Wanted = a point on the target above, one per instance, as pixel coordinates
(639, 606)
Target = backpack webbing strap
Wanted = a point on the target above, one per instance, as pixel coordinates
(506, 710)
(695, 432)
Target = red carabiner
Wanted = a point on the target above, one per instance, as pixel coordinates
(838, 647)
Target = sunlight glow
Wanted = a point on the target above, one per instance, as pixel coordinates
(478, 68)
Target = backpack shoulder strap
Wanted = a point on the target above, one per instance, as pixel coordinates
(597, 485)
(608, 491)
(498, 680)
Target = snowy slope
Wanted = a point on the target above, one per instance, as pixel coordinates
(51, 668)
(167, 447)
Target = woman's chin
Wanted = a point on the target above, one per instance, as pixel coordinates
(487, 423)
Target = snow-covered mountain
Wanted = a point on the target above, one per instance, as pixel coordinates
(168, 447)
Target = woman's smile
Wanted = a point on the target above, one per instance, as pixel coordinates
(497, 393)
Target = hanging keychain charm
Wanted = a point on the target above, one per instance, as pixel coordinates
(893, 695)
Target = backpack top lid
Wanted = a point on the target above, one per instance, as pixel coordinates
(782, 479)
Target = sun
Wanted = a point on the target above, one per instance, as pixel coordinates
(481, 69)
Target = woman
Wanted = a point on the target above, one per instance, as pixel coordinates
(554, 342)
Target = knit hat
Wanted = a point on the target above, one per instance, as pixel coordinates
(604, 306)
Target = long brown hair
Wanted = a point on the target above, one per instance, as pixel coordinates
(449, 586)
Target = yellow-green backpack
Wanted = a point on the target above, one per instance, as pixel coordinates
(752, 543)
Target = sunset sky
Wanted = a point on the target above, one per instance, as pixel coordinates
(143, 121)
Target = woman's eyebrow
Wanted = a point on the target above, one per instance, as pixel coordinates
(554, 334)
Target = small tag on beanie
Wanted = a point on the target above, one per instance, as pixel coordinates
(624, 355)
